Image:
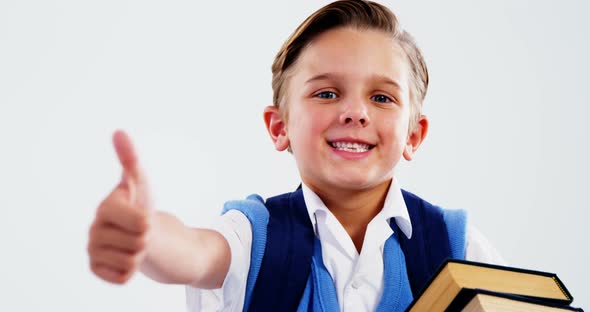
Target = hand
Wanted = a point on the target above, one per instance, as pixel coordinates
(118, 237)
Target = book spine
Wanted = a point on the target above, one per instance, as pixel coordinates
(563, 291)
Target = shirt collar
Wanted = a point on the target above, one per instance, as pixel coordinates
(393, 207)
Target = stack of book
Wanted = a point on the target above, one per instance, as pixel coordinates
(472, 287)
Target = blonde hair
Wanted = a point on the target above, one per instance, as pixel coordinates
(361, 15)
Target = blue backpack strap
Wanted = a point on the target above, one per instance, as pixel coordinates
(456, 221)
(288, 254)
(253, 208)
(429, 245)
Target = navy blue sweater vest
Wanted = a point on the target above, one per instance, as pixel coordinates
(283, 246)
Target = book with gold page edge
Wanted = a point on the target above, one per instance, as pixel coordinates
(453, 276)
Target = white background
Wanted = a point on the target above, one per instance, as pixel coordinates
(188, 80)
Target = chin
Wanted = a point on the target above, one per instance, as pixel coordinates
(354, 182)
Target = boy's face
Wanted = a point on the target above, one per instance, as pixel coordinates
(348, 105)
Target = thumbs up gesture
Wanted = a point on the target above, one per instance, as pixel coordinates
(118, 237)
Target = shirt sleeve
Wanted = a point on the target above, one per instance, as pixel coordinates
(237, 230)
(480, 249)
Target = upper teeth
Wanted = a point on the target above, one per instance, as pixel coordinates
(351, 147)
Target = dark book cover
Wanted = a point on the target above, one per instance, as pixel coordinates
(564, 302)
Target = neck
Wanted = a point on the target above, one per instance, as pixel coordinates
(354, 209)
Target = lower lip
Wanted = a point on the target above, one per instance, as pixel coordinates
(350, 155)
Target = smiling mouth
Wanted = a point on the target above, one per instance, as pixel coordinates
(352, 147)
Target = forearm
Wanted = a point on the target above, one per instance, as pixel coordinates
(178, 254)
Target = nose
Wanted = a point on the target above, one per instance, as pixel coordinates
(355, 114)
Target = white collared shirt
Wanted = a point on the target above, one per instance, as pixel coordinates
(358, 277)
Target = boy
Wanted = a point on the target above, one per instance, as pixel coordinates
(348, 89)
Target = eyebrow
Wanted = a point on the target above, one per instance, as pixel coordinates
(335, 76)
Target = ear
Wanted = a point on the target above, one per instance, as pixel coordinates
(277, 128)
(415, 137)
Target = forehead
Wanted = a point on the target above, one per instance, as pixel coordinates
(353, 54)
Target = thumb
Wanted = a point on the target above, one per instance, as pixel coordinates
(132, 178)
(126, 154)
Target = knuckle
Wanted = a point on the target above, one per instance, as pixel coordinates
(102, 211)
(94, 268)
(105, 203)
(93, 231)
(109, 204)
(91, 248)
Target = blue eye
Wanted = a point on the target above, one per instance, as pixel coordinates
(328, 95)
(381, 98)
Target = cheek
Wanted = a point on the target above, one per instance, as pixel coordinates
(301, 129)
(310, 121)
(395, 128)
